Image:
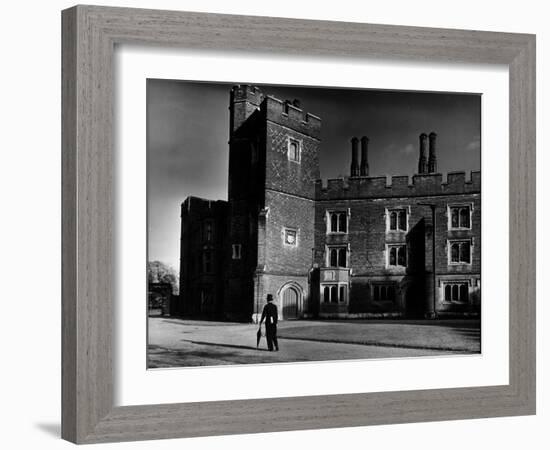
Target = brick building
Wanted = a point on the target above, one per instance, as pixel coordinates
(357, 246)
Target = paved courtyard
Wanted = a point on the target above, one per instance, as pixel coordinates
(175, 342)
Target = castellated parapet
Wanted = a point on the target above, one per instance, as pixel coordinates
(244, 101)
(248, 93)
(291, 116)
(399, 186)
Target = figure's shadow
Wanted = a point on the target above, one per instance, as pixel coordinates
(213, 344)
(53, 429)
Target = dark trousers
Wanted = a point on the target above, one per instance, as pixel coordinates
(271, 336)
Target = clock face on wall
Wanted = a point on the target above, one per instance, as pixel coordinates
(290, 237)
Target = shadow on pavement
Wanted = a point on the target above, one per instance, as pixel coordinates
(214, 344)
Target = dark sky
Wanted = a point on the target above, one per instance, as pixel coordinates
(188, 131)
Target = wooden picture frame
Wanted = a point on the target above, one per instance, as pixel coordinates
(89, 37)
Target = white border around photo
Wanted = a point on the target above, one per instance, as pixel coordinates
(135, 385)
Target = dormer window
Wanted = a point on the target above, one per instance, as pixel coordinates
(294, 150)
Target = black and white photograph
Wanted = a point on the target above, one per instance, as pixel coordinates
(296, 223)
(276, 225)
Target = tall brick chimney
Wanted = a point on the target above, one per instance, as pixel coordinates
(364, 169)
(354, 157)
(422, 159)
(432, 160)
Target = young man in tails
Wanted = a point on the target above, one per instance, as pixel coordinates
(270, 315)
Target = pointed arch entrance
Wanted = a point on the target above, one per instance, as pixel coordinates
(290, 299)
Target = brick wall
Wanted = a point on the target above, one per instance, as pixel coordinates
(367, 238)
(284, 175)
(286, 211)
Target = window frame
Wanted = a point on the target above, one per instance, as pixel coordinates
(396, 245)
(338, 213)
(386, 286)
(298, 142)
(397, 209)
(459, 206)
(340, 300)
(236, 252)
(459, 284)
(450, 242)
(338, 248)
(208, 226)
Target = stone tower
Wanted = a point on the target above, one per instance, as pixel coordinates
(273, 165)
(245, 198)
(287, 237)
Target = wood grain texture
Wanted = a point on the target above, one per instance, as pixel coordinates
(68, 225)
(89, 36)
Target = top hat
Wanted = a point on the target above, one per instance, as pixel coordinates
(269, 297)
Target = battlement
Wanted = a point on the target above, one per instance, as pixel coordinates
(246, 92)
(398, 186)
(197, 205)
(292, 116)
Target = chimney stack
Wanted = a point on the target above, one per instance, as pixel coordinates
(364, 169)
(432, 160)
(422, 160)
(354, 157)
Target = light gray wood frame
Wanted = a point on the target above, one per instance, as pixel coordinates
(89, 36)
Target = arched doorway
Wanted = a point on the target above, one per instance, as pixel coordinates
(290, 301)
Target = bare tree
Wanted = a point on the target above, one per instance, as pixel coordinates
(159, 272)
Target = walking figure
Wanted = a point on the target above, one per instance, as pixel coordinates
(269, 313)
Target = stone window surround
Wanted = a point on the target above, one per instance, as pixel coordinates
(328, 248)
(339, 286)
(299, 143)
(387, 213)
(451, 283)
(236, 251)
(469, 205)
(387, 255)
(208, 230)
(328, 217)
(386, 285)
(449, 255)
